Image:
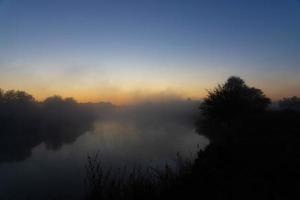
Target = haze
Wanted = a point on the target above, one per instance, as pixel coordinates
(131, 51)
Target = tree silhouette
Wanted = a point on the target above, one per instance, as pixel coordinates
(290, 103)
(26, 122)
(16, 97)
(230, 104)
(233, 99)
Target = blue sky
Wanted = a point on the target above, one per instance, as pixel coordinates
(118, 50)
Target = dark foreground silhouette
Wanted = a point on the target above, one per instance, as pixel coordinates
(26, 123)
(254, 150)
(254, 153)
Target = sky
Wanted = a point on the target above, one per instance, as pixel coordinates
(126, 51)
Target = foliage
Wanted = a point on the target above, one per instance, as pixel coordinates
(229, 106)
(133, 183)
(25, 123)
(233, 99)
(290, 103)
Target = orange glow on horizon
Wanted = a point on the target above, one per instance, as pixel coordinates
(124, 92)
(123, 98)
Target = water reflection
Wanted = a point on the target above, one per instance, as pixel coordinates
(17, 142)
(129, 143)
(147, 134)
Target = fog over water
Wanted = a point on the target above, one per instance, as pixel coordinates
(148, 134)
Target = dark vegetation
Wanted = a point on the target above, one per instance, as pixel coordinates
(26, 123)
(291, 103)
(254, 150)
(254, 153)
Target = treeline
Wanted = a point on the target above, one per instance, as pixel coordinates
(254, 153)
(254, 150)
(26, 123)
(290, 103)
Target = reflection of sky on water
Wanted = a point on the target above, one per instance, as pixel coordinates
(119, 141)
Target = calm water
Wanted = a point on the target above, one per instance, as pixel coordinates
(56, 166)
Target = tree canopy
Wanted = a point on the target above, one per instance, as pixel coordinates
(290, 103)
(233, 99)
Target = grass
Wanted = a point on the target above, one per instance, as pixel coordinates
(132, 182)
